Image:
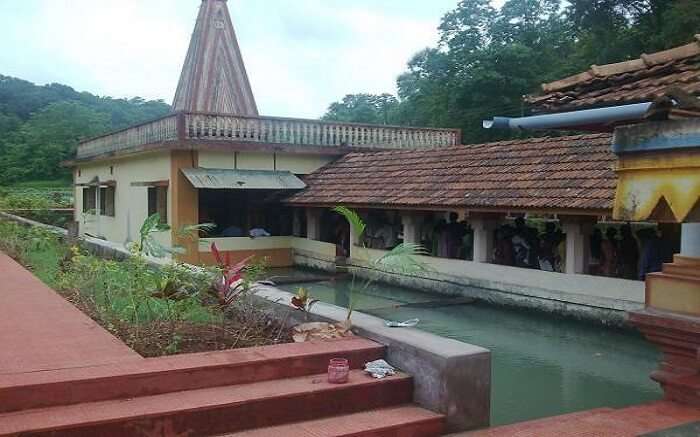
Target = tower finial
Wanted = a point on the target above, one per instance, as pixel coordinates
(214, 78)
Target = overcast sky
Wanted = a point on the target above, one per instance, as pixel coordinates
(301, 55)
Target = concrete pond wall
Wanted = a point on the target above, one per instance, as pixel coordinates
(591, 298)
(450, 377)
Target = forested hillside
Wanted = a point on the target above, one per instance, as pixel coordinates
(487, 59)
(40, 125)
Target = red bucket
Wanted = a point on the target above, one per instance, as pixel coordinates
(338, 371)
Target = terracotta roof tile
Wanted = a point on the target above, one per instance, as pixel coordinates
(564, 173)
(634, 81)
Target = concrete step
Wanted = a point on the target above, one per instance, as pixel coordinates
(214, 410)
(690, 270)
(403, 421)
(177, 373)
(686, 260)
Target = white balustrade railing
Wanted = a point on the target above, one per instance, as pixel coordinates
(192, 127)
(153, 132)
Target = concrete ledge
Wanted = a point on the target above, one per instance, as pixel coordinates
(312, 260)
(584, 297)
(97, 247)
(450, 377)
(28, 222)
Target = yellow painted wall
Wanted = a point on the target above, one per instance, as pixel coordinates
(645, 180)
(224, 160)
(297, 164)
(184, 204)
(130, 203)
(278, 250)
(674, 293)
(302, 164)
(255, 161)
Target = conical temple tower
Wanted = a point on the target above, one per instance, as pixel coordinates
(214, 77)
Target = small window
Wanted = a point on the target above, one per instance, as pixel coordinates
(158, 202)
(89, 200)
(107, 201)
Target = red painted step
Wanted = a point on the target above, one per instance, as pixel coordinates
(177, 373)
(533, 427)
(603, 422)
(215, 410)
(402, 421)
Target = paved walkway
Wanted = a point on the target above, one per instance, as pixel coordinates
(41, 331)
(638, 420)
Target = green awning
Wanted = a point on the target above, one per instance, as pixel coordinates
(220, 179)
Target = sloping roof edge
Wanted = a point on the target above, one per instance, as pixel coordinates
(220, 179)
(603, 71)
(524, 175)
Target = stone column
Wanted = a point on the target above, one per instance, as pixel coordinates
(296, 223)
(313, 223)
(690, 240)
(577, 245)
(484, 227)
(411, 227)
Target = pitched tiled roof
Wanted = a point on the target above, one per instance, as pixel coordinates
(566, 173)
(635, 81)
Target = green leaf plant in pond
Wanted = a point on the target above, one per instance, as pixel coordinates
(401, 259)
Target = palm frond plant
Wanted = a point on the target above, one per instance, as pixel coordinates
(401, 259)
(188, 232)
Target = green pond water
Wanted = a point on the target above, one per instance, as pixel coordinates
(541, 365)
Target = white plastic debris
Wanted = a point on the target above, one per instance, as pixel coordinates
(380, 369)
(407, 324)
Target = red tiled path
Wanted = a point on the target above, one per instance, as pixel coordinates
(603, 422)
(40, 331)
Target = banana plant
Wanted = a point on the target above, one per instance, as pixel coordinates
(148, 244)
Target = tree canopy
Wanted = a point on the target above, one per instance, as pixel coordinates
(488, 58)
(40, 126)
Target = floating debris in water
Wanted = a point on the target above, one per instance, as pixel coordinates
(407, 324)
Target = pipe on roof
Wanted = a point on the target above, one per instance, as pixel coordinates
(586, 117)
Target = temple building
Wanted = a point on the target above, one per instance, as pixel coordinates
(214, 159)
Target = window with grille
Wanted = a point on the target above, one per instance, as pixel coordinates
(158, 202)
(89, 200)
(107, 201)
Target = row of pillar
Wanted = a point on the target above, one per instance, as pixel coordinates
(577, 233)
